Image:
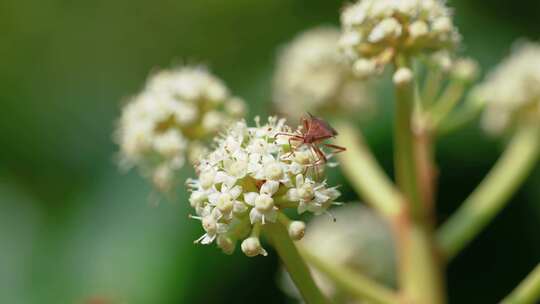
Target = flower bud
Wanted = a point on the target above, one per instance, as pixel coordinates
(226, 244)
(403, 76)
(251, 247)
(297, 229)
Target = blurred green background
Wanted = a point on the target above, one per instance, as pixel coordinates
(72, 227)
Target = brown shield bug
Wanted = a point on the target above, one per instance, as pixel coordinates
(313, 133)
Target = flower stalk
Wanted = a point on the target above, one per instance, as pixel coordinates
(493, 193)
(295, 265)
(404, 154)
(528, 291)
(355, 284)
(420, 271)
(365, 174)
(448, 101)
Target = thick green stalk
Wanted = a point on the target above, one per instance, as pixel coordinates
(361, 287)
(420, 271)
(421, 278)
(528, 291)
(493, 193)
(404, 156)
(364, 173)
(295, 265)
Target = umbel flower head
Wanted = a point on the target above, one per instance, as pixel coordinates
(375, 31)
(176, 109)
(512, 91)
(312, 75)
(248, 179)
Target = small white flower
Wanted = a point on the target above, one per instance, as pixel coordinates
(512, 91)
(226, 201)
(312, 75)
(375, 31)
(177, 107)
(264, 209)
(212, 228)
(311, 196)
(250, 171)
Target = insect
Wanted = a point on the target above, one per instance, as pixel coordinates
(313, 133)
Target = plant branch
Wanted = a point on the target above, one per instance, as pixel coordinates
(295, 265)
(493, 193)
(528, 291)
(404, 154)
(421, 278)
(450, 98)
(364, 173)
(361, 287)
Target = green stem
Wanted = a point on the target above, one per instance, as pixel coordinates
(420, 274)
(432, 85)
(404, 159)
(447, 102)
(528, 291)
(361, 287)
(493, 193)
(364, 173)
(295, 265)
(470, 111)
(421, 278)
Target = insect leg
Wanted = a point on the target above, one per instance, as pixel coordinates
(284, 133)
(337, 149)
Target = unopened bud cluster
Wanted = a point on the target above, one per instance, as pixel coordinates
(176, 109)
(512, 91)
(248, 179)
(313, 76)
(375, 31)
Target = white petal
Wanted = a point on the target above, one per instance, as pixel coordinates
(302, 207)
(321, 197)
(235, 192)
(207, 239)
(222, 228)
(222, 177)
(239, 207)
(213, 198)
(299, 180)
(255, 216)
(250, 198)
(270, 187)
(292, 195)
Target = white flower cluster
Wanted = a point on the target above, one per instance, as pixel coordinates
(312, 75)
(512, 90)
(374, 31)
(251, 176)
(177, 108)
